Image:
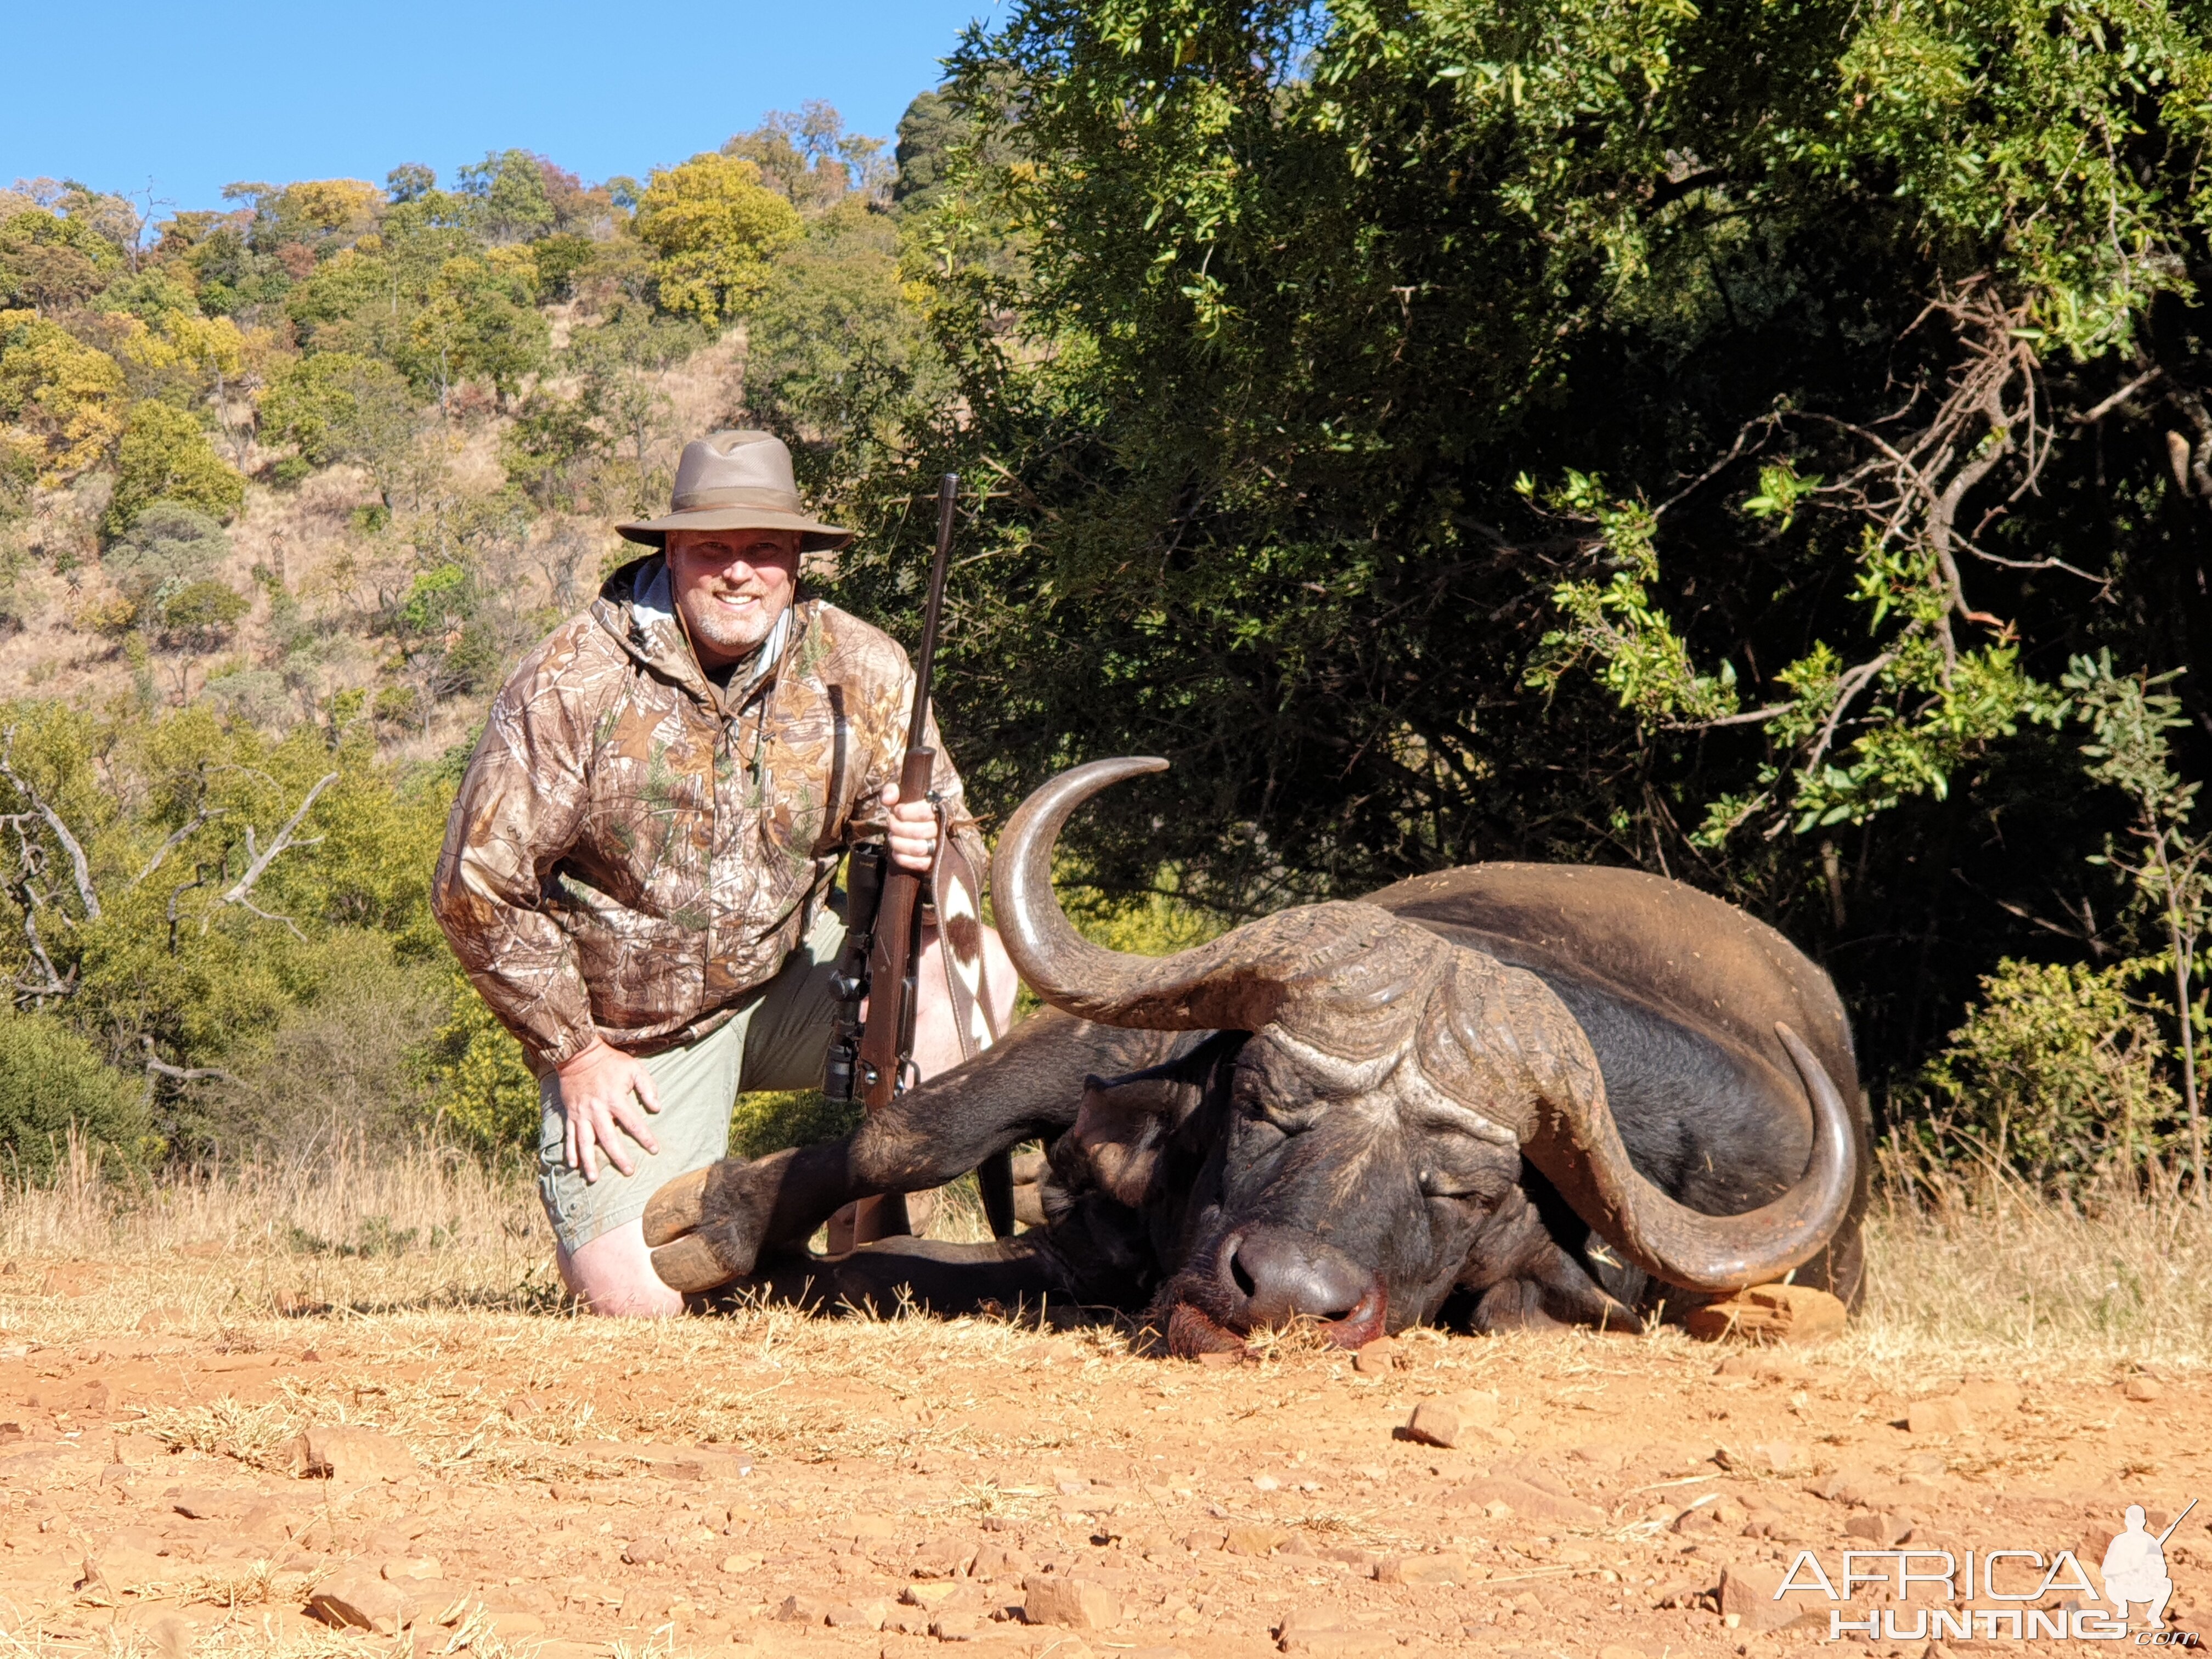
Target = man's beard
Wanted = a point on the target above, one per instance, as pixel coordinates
(731, 634)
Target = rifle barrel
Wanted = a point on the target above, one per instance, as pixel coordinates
(925, 667)
(2177, 1520)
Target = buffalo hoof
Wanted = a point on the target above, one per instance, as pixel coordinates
(705, 1228)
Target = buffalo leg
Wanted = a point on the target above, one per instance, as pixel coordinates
(710, 1226)
(1524, 1278)
(930, 1273)
(994, 1180)
(948, 1279)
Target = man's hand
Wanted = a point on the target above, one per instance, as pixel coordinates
(601, 1088)
(913, 831)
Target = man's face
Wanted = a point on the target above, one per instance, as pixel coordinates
(731, 584)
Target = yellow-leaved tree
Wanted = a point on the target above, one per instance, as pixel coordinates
(715, 228)
(62, 395)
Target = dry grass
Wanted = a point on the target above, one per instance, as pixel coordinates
(1997, 1272)
(435, 1250)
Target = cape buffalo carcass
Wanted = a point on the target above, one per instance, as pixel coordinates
(1504, 1094)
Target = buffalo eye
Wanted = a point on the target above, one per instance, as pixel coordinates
(1436, 1181)
(1262, 1104)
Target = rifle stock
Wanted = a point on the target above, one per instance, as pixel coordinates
(887, 1040)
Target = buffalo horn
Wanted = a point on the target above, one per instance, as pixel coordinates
(1575, 1142)
(1239, 982)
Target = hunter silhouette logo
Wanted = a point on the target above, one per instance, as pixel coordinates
(1959, 1599)
(2134, 1569)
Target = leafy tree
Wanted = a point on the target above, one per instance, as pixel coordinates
(203, 613)
(50, 262)
(318, 211)
(477, 323)
(338, 406)
(183, 355)
(231, 278)
(557, 260)
(180, 947)
(2171, 871)
(165, 455)
(714, 227)
(926, 133)
(429, 302)
(810, 161)
(151, 295)
(2055, 1072)
(579, 210)
(836, 355)
(1838, 389)
(480, 1086)
(604, 444)
(509, 192)
(62, 397)
(409, 182)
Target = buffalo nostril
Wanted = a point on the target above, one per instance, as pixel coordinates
(1243, 1281)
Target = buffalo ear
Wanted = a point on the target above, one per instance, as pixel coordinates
(1120, 1127)
(1123, 1120)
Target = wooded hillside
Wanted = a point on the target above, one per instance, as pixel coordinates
(1765, 445)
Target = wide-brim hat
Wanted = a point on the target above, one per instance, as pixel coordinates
(737, 480)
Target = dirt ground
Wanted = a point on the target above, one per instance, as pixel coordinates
(535, 1482)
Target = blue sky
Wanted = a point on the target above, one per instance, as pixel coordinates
(193, 96)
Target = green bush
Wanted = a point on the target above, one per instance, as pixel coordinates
(2058, 1073)
(161, 954)
(479, 1086)
(166, 455)
(203, 609)
(435, 598)
(771, 1120)
(50, 1079)
(336, 406)
(169, 546)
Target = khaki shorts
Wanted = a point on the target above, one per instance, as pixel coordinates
(776, 1041)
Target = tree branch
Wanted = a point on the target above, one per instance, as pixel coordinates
(177, 839)
(2090, 416)
(1748, 717)
(79, 865)
(182, 1073)
(262, 860)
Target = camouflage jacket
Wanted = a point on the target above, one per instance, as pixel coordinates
(634, 849)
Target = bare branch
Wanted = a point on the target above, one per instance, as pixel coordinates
(1849, 684)
(2090, 416)
(1736, 449)
(176, 838)
(78, 864)
(1748, 717)
(182, 1073)
(54, 985)
(199, 879)
(262, 860)
(271, 915)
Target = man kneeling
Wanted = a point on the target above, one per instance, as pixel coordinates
(637, 874)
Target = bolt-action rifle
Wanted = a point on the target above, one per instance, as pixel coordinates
(882, 936)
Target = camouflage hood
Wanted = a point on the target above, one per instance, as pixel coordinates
(637, 605)
(634, 848)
